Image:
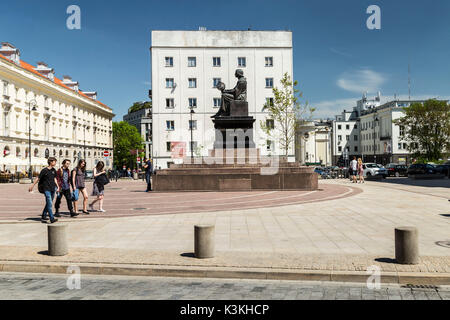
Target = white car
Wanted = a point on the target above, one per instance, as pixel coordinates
(373, 169)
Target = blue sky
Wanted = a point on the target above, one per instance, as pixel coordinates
(335, 56)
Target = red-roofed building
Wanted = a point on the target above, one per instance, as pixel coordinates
(66, 122)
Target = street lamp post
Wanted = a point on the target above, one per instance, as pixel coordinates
(374, 126)
(30, 170)
(192, 134)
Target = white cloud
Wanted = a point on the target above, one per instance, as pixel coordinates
(341, 53)
(361, 81)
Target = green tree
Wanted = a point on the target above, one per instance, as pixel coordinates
(125, 138)
(286, 112)
(139, 106)
(427, 128)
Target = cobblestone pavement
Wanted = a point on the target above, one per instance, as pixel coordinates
(18, 286)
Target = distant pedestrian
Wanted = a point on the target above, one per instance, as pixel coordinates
(47, 185)
(63, 179)
(98, 190)
(129, 173)
(78, 176)
(360, 170)
(354, 169)
(148, 166)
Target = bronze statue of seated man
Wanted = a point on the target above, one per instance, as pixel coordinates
(238, 93)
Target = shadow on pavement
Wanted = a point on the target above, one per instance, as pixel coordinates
(188, 255)
(386, 260)
(430, 183)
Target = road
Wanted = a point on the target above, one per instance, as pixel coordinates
(19, 286)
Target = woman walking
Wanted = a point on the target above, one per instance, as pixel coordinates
(98, 190)
(360, 170)
(78, 185)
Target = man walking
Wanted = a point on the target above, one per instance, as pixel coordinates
(63, 179)
(148, 173)
(47, 186)
(354, 168)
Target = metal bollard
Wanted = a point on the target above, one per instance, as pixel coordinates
(57, 239)
(204, 241)
(407, 245)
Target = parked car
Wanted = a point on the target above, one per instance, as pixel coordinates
(397, 170)
(421, 168)
(443, 169)
(89, 174)
(373, 169)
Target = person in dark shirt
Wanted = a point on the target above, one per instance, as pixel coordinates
(148, 173)
(64, 183)
(47, 185)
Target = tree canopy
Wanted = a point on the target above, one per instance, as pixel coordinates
(285, 110)
(427, 128)
(139, 106)
(125, 138)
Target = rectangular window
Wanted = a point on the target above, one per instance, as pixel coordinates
(269, 82)
(356, 126)
(192, 124)
(339, 127)
(169, 82)
(170, 103)
(216, 61)
(169, 61)
(347, 126)
(399, 146)
(355, 137)
(347, 137)
(192, 82)
(405, 146)
(402, 131)
(216, 81)
(356, 149)
(269, 61)
(170, 125)
(270, 124)
(192, 61)
(241, 62)
(5, 88)
(340, 149)
(339, 138)
(269, 145)
(217, 102)
(192, 102)
(269, 101)
(168, 148)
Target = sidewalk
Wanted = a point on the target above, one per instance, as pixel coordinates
(342, 235)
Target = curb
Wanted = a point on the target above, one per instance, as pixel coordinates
(412, 278)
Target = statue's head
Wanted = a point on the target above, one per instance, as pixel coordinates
(239, 73)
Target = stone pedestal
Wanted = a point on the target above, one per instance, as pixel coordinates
(407, 245)
(204, 241)
(234, 132)
(57, 239)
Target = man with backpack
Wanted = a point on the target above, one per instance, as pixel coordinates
(47, 185)
(64, 183)
(148, 166)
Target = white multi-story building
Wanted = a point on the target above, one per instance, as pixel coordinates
(65, 122)
(346, 130)
(186, 65)
(313, 142)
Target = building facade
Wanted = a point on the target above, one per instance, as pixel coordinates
(186, 66)
(64, 122)
(142, 120)
(313, 143)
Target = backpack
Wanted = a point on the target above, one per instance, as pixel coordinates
(41, 184)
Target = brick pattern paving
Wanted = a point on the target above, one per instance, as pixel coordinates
(50, 287)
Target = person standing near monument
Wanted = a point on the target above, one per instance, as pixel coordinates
(354, 169)
(148, 166)
(63, 179)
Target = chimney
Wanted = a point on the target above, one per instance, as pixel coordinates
(10, 52)
(91, 94)
(43, 69)
(67, 81)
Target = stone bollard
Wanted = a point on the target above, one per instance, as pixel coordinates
(407, 245)
(57, 239)
(204, 241)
